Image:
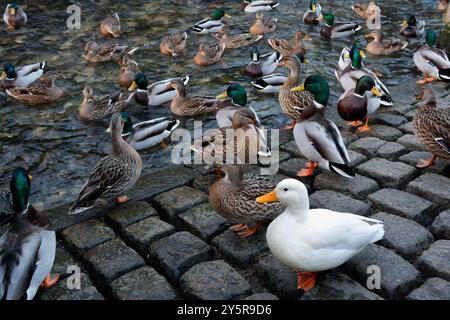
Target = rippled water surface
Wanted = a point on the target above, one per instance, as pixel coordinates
(61, 150)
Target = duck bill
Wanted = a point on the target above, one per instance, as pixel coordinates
(109, 130)
(376, 92)
(30, 177)
(270, 197)
(3, 76)
(307, 37)
(13, 11)
(305, 61)
(313, 8)
(227, 15)
(405, 23)
(133, 86)
(298, 88)
(363, 54)
(222, 96)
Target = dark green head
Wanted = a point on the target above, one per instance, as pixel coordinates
(218, 14)
(356, 55)
(238, 94)
(329, 19)
(319, 88)
(364, 84)
(9, 71)
(128, 124)
(431, 38)
(411, 21)
(302, 58)
(141, 81)
(255, 54)
(20, 186)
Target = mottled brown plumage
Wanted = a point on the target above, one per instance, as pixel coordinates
(128, 70)
(173, 44)
(37, 94)
(209, 54)
(95, 108)
(263, 25)
(237, 41)
(104, 53)
(110, 26)
(286, 47)
(379, 47)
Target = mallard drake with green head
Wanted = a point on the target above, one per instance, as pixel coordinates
(27, 249)
(356, 105)
(355, 70)
(157, 93)
(113, 175)
(332, 30)
(110, 26)
(433, 62)
(21, 77)
(174, 44)
(246, 134)
(314, 13)
(233, 197)
(271, 83)
(104, 53)
(293, 102)
(262, 65)
(411, 28)
(263, 25)
(147, 134)
(286, 47)
(37, 94)
(238, 40)
(380, 47)
(14, 16)
(317, 137)
(128, 70)
(234, 98)
(96, 108)
(260, 5)
(209, 54)
(431, 125)
(184, 106)
(212, 25)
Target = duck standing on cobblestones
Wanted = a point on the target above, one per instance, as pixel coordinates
(432, 126)
(112, 175)
(234, 196)
(318, 138)
(27, 249)
(314, 240)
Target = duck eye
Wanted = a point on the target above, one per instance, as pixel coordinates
(285, 189)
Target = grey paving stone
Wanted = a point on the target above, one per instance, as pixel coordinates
(129, 213)
(143, 233)
(436, 259)
(292, 149)
(391, 151)
(432, 289)
(86, 235)
(407, 128)
(398, 235)
(388, 174)
(175, 254)
(433, 187)
(398, 276)
(338, 286)
(60, 291)
(367, 146)
(240, 251)
(441, 225)
(161, 181)
(278, 278)
(214, 280)
(413, 158)
(291, 167)
(388, 119)
(410, 115)
(262, 296)
(172, 203)
(203, 221)
(358, 187)
(348, 137)
(332, 200)
(63, 260)
(356, 158)
(404, 204)
(411, 142)
(203, 183)
(142, 284)
(111, 260)
(405, 109)
(382, 132)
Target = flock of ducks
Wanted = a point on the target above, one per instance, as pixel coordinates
(307, 240)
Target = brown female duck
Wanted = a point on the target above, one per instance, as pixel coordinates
(286, 47)
(379, 47)
(209, 54)
(37, 94)
(173, 44)
(95, 53)
(110, 26)
(263, 25)
(128, 70)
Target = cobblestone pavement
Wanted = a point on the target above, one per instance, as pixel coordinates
(167, 243)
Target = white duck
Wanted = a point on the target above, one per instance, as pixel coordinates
(314, 240)
(260, 5)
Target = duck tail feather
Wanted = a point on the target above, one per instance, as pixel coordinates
(342, 169)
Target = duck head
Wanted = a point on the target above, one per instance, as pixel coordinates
(293, 62)
(319, 88)
(140, 82)
(218, 14)
(367, 84)
(431, 38)
(376, 35)
(9, 72)
(234, 173)
(410, 22)
(127, 126)
(328, 18)
(299, 36)
(356, 55)
(13, 8)
(20, 186)
(255, 55)
(236, 93)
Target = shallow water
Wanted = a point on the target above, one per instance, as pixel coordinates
(61, 150)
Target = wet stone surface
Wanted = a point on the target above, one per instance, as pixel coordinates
(358, 187)
(432, 289)
(433, 187)
(331, 200)
(441, 225)
(436, 259)
(129, 213)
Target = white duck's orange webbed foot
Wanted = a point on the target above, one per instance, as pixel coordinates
(306, 280)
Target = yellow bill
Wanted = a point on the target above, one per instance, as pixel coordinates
(267, 198)
(109, 130)
(307, 37)
(227, 15)
(133, 86)
(13, 11)
(405, 23)
(223, 95)
(363, 54)
(3, 76)
(313, 8)
(30, 177)
(298, 88)
(376, 91)
(305, 61)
